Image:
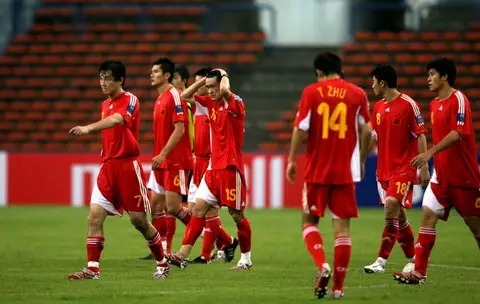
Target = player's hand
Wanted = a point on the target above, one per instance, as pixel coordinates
(157, 160)
(79, 130)
(222, 71)
(291, 172)
(424, 176)
(421, 159)
(362, 170)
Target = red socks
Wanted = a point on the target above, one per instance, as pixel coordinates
(314, 242)
(423, 248)
(155, 245)
(171, 228)
(341, 259)
(405, 239)
(244, 233)
(193, 230)
(94, 250)
(389, 236)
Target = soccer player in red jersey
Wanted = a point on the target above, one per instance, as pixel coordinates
(399, 131)
(172, 161)
(223, 183)
(180, 78)
(456, 178)
(120, 183)
(213, 225)
(331, 111)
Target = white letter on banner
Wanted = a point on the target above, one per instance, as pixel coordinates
(277, 176)
(259, 184)
(77, 187)
(3, 178)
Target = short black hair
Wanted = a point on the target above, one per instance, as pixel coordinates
(215, 74)
(444, 66)
(328, 63)
(167, 66)
(203, 71)
(116, 67)
(182, 71)
(386, 73)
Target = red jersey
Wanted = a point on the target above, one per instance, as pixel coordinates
(202, 132)
(121, 141)
(397, 124)
(227, 129)
(330, 111)
(457, 165)
(168, 110)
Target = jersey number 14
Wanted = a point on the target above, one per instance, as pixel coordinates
(336, 121)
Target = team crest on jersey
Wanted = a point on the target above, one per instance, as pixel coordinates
(130, 109)
(419, 119)
(179, 109)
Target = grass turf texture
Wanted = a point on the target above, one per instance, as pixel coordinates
(40, 245)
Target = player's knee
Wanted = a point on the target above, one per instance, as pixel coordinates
(473, 222)
(392, 207)
(429, 218)
(139, 222)
(237, 215)
(212, 212)
(95, 221)
(200, 208)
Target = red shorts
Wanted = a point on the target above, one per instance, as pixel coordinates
(399, 188)
(121, 186)
(169, 180)
(201, 165)
(465, 200)
(223, 187)
(340, 199)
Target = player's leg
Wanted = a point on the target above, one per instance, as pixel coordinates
(343, 207)
(473, 222)
(100, 206)
(314, 202)
(434, 207)
(158, 207)
(152, 236)
(406, 240)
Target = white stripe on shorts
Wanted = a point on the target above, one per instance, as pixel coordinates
(143, 189)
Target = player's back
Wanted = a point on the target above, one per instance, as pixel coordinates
(335, 109)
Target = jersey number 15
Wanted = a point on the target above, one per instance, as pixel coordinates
(336, 121)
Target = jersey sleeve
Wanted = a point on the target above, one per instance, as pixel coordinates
(417, 123)
(204, 101)
(458, 112)
(303, 118)
(179, 111)
(129, 105)
(236, 107)
(364, 113)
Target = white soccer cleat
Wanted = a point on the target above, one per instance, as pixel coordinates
(409, 267)
(336, 294)
(242, 265)
(377, 267)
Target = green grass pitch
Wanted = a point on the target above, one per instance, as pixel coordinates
(40, 245)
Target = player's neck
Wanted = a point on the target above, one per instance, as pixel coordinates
(391, 94)
(328, 77)
(445, 92)
(116, 94)
(163, 88)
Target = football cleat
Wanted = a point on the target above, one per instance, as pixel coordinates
(321, 281)
(219, 255)
(375, 267)
(84, 274)
(162, 271)
(412, 277)
(177, 259)
(230, 250)
(409, 267)
(336, 294)
(242, 266)
(200, 260)
(147, 257)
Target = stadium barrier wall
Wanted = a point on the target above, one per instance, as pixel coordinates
(68, 178)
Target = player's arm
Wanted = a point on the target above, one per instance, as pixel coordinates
(422, 159)
(106, 123)
(422, 148)
(189, 92)
(365, 145)
(173, 140)
(298, 136)
(225, 85)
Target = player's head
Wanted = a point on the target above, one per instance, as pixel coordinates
(162, 72)
(384, 77)
(112, 76)
(327, 64)
(441, 72)
(203, 91)
(212, 84)
(180, 77)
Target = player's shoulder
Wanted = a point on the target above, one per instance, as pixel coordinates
(407, 100)
(379, 103)
(129, 97)
(236, 97)
(353, 87)
(459, 96)
(174, 93)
